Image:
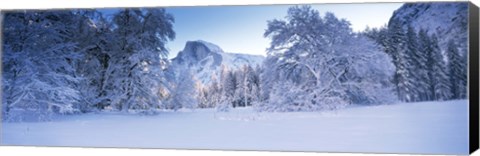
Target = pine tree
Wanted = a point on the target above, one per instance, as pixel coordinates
(398, 52)
(411, 65)
(438, 77)
(456, 70)
(416, 70)
(215, 92)
(425, 48)
(228, 90)
(240, 96)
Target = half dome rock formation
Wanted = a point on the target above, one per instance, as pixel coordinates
(205, 60)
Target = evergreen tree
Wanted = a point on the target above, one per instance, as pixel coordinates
(228, 89)
(203, 97)
(456, 71)
(215, 92)
(416, 68)
(425, 48)
(412, 91)
(240, 93)
(398, 51)
(438, 77)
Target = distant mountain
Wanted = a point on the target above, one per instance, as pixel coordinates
(449, 20)
(206, 59)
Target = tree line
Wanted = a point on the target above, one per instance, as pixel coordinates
(424, 71)
(313, 63)
(75, 61)
(68, 61)
(234, 88)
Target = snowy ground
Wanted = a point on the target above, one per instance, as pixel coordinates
(427, 127)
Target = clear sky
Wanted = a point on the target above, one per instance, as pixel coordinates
(240, 29)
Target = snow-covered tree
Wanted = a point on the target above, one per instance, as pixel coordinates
(203, 97)
(134, 71)
(318, 54)
(285, 97)
(247, 85)
(215, 92)
(183, 92)
(438, 86)
(65, 61)
(370, 77)
(236, 88)
(251, 85)
(93, 36)
(210, 95)
(379, 35)
(240, 88)
(439, 77)
(230, 87)
(39, 60)
(457, 71)
(399, 51)
(418, 71)
(420, 67)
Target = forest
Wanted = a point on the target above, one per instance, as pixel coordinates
(60, 62)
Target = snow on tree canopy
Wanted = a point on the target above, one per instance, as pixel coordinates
(323, 62)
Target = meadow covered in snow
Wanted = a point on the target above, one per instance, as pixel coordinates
(424, 127)
(81, 78)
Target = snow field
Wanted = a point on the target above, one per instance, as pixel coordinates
(424, 128)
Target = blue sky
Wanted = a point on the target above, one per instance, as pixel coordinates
(240, 29)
